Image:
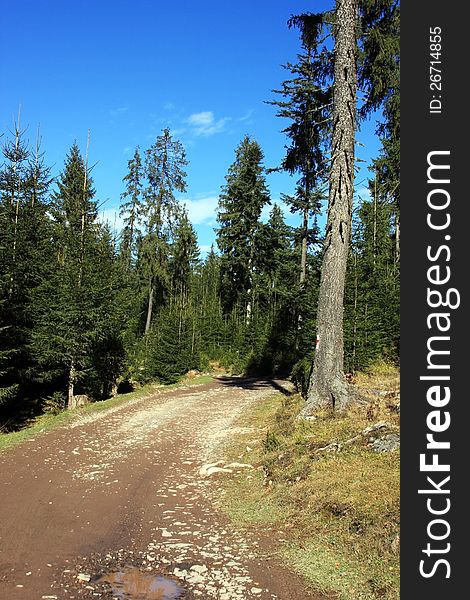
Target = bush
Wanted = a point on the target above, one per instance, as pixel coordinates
(300, 375)
(54, 404)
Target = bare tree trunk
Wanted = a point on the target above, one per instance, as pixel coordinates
(397, 239)
(149, 308)
(303, 255)
(328, 387)
(72, 378)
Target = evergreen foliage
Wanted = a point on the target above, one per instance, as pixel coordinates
(306, 103)
(240, 204)
(82, 312)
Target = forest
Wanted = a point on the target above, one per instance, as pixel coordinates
(88, 311)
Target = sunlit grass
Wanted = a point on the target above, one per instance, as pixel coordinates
(337, 511)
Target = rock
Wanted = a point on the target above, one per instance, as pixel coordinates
(203, 470)
(79, 400)
(379, 425)
(238, 465)
(386, 443)
(195, 578)
(199, 568)
(83, 577)
(211, 470)
(180, 573)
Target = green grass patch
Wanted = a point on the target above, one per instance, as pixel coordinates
(46, 422)
(337, 510)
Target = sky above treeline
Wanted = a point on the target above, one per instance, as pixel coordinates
(127, 69)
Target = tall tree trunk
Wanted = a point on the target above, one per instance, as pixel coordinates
(397, 239)
(303, 250)
(71, 385)
(149, 308)
(328, 387)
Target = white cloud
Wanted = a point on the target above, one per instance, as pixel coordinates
(202, 210)
(204, 123)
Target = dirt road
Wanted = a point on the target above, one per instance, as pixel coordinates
(121, 491)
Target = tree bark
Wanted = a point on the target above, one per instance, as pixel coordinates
(71, 385)
(328, 387)
(149, 308)
(303, 251)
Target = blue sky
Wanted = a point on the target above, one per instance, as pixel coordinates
(126, 69)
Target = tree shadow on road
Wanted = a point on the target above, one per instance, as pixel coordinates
(256, 383)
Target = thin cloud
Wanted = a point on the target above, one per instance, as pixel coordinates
(204, 123)
(247, 117)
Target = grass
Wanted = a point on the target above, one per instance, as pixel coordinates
(338, 511)
(47, 421)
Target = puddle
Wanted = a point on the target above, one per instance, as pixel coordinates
(132, 584)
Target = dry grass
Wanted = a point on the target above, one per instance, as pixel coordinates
(340, 509)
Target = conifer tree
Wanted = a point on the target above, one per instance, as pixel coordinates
(164, 168)
(131, 207)
(379, 77)
(328, 387)
(24, 260)
(68, 307)
(356, 59)
(240, 203)
(208, 307)
(185, 256)
(307, 104)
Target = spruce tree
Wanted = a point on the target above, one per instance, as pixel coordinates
(379, 77)
(306, 102)
(25, 256)
(131, 207)
(240, 204)
(67, 311)
(164, 169)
